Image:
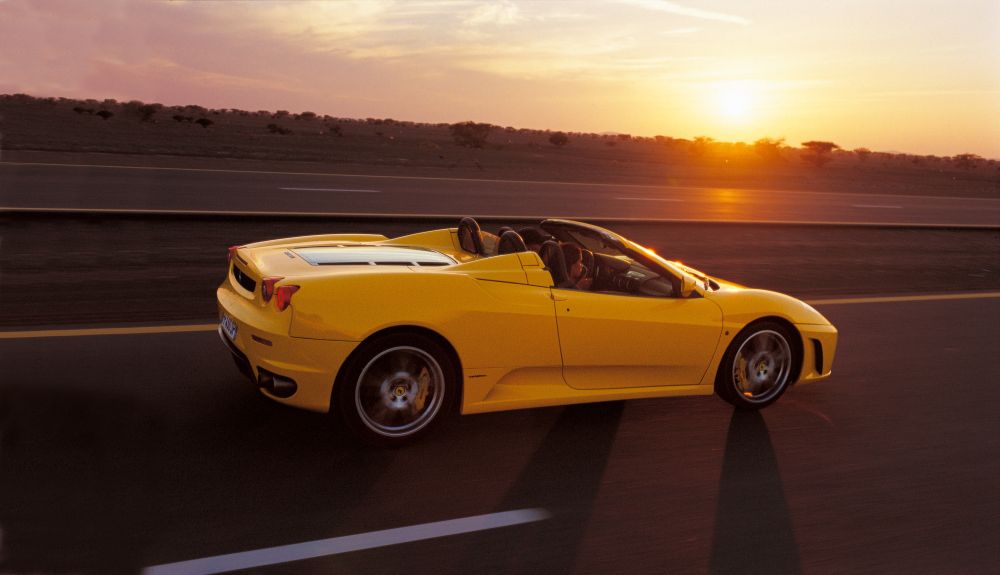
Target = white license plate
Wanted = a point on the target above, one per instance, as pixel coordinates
(228, 326)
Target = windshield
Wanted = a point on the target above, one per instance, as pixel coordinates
(603, 241)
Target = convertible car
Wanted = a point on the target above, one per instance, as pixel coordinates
(392, 335)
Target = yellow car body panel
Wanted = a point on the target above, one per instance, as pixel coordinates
(617, 341)
(519, 341)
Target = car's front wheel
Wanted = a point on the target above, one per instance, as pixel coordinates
(396, 388)
(758, 366)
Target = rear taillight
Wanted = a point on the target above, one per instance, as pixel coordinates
(231, 253)
(283, 296)
(267, 287)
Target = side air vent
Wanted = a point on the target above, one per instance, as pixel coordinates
(818, 356)
(245, 281)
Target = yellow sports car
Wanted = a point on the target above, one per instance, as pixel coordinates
(392, 335)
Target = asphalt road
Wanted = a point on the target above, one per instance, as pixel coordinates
(119, 452)
(55, 186)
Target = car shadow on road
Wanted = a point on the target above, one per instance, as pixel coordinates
(563, 476)
(753, 527)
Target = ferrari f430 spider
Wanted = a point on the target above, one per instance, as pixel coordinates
(392, 335)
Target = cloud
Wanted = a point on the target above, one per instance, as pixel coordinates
(674, 8)
(680, 31)
(503, 13)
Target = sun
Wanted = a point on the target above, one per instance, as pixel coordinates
(735, 101)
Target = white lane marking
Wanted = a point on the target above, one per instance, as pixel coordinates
(348, 543)
(651, 199)
(876, 206)
(889, 299)
(332, 190)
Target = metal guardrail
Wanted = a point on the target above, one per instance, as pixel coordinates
(390, 217)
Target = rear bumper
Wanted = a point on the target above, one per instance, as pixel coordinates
(311, 364)
(819, 345)
(240, 358)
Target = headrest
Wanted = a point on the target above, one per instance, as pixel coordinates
(470, 236)
(555, 262)
(511, 243)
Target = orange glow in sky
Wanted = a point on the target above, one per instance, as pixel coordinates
(921, 76)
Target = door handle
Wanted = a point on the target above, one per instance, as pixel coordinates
(556, 297)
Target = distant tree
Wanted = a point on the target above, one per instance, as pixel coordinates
(204, 122)
(624, 137)
(110, 102)
(863, 154)
(178, 118)
(79, 109)
(818, 152)
(470, 134)
(559, 139)
(131, 108)
(147, 111)
(334, 130)
(769, 149)
(700, 146)
(105, 114)
(280, 114)
(967, 161)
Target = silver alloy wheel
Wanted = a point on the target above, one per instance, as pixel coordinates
(399, 391)
(762, 366)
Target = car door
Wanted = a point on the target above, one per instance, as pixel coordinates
(611, 340)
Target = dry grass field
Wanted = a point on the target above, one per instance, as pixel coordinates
(75, 131)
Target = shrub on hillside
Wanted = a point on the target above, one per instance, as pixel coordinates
(276, 129)
(559, 139)
(470, 134)
(769, 149)
(863, 154)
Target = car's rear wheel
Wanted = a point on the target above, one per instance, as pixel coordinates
(758, 366)
(396, 388)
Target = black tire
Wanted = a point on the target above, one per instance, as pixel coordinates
(760, 364)
(396, 388)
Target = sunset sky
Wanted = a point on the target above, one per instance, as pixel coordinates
(913, 76)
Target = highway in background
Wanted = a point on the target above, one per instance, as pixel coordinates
(90, 187)
(125, 451)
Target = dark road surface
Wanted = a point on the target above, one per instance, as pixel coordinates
(55, 186)
(118, 452)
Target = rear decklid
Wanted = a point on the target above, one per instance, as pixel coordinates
(292, 261)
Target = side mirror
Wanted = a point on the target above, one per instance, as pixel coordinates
(688, 284)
